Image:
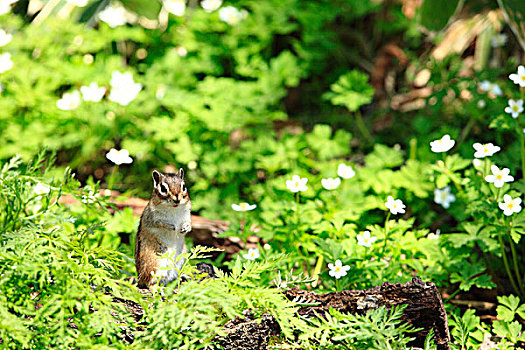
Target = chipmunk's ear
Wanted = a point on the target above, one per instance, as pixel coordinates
(181, 173)
(156, 178)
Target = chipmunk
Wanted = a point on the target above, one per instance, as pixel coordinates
(163, 225)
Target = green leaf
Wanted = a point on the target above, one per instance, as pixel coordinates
(508, 307)
(470, 275)
(507, 330)
(384, 157)
(351, 90)
(412, 177)
(146, 8)
(435, 14)
(320, 140)
(503, 122)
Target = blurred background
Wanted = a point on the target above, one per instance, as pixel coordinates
(347, 95)
(220, 87)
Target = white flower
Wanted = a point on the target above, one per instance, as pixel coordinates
(297, 184)
(509, 205)
(345, 171)
(123, 88)
(176, 7)
(499, 40)
(41, 189)
(78, 3)
(69, 101)
(481, 104)
(396, 206)
(243, 207)
(496, 90)
(5, 38)
(92, 92)
(519, 77)
(337, 270)
(514, 108)
(232, 15)
(365, 240)
(331, 183)
(434, 235)
(5, 62)
(5, 6)
(252, 254)
(444, 197)
(442, 145)
(119, 157)
(211, 5)
(499, 177)
(114, 16)
(181, 51)
(192, 165)
(487, 86)
(485, 150)
(90, 197)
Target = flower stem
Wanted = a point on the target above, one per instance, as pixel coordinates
(506, 263)
(452, 295)
(297, 200)
(362, 127)
(387, 231)
(522, 141)
(466, 130)
(515, 261)
(112, 177)
(498, 194)
(317, 270)
(458, 187)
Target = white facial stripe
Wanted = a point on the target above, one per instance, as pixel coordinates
(163, 188)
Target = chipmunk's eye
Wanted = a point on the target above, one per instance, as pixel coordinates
(163, 189)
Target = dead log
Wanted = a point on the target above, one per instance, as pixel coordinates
(424, 310)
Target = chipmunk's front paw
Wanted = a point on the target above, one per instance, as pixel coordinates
(186, 227)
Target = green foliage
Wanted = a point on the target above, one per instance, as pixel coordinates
(351, 90)
(55, 286)
(435, 15)
(378, 329)
(243, 108)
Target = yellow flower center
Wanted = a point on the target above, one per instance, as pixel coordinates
(296, 184)
(523, 77)
(499, 177)
(443, 196)
(337, 269)
(510, 205)
(515, 107)
(243, 206)
(485, 150)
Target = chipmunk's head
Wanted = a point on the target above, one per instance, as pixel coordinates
(169, 189)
